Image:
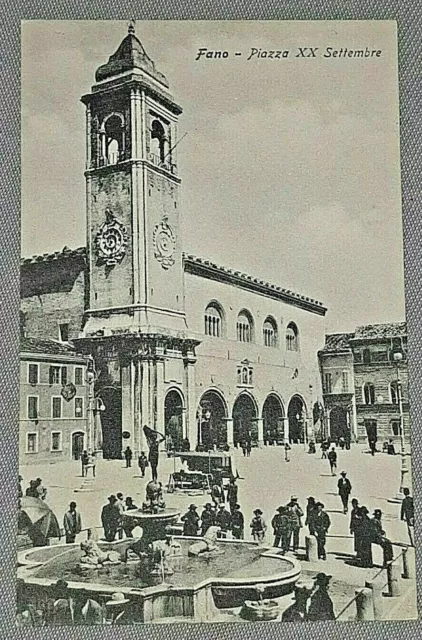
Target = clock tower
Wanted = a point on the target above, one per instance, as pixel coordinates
(135, 326)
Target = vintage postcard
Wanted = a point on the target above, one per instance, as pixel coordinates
(214, 416)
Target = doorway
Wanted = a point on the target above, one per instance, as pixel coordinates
(77, 444)
(111, 423)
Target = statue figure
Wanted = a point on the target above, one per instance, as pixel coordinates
(154, 439)
(162, 552)
(154, 498)
(94, 557)
(207, 544)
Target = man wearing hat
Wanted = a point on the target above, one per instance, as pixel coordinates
(295, 515)
(116, 609)
(380, 538)
(321, 605)
(207, 518)
(223, 520)
(110, 518)
(238, 523)
(281, 529)
(344, 490)
(72, 523)
(322, 523)
(258, 526)
(191, 521)
(297, 612)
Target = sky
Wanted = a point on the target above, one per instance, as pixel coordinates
(289, 167)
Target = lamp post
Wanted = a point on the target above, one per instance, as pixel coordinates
(398, 357)
(90, 378)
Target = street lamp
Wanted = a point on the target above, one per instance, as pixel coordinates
(91, 376)
(398, 357)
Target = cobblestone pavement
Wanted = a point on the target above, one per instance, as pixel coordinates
(266, 481)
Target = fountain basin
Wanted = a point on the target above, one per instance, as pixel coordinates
(197, 589)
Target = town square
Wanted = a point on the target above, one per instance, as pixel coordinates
(200, 440)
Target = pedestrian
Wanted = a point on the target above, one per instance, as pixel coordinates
(310, 515)
(324, 448)
(295, 515)
(347, 440)
(128, 457)
(31, 491)
(207, 518)
(40, 491)
(190, 521)
(407, 514)
(185, 444)
(243, 447)
(248, 447)
(287, 448)
(281, 529)
(110, 518)
(355, 523)
(128, 524)
(380, 538)
(372, 440)
(365, 539)
(322, 524)
(297, 612)
(90, 463)
(332, 459)
(312, 447)
(72, 523)
(217, 494)
(391, 451)
(223, 520)
(232, 493)
(258, 526)
(142, 463)
(238, 523)
(344, 490)
(84, 462)
(320, 605)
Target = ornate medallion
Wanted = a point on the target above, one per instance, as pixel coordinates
(111, 240)
(164, 244)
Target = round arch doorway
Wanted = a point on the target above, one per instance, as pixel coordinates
(273, 423)
(245, 420)
(212, 422)
(296, 414)
(173, 420)
(78, 441)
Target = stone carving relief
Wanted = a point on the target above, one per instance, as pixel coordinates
(111, 240)
(164, 244)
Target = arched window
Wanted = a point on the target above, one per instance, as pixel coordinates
(244, 327)
(158, 140)
(368, 393)
(394, 392)
(213, 320)
(113, 139)
(270, 332)
(292, 337)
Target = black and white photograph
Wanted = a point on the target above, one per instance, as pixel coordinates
(214, 418)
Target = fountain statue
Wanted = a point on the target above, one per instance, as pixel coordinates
(154, 502)
(207, 545)
(94, 557)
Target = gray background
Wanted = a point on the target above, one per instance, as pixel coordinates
(408, 16)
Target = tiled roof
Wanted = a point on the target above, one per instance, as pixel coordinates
(208, 267)
(381, 331)
(57, 255)
(337, 342)
(46, 347)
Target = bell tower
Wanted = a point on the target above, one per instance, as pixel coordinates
(134, 245)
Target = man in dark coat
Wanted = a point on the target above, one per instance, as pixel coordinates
(190, 521)
(142, 463)
(84, 461)
(223, 519)
(321, 524)
(310, 515)
(207, 518)
(321, 606)
(281, 528)
(380, 538)
(297, 612)
(238, 523)
(365, 539)
(110, 518)
(232, 493)
(128, 457)
(407, 514)
(344, 490)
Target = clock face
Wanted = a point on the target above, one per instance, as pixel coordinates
(111, 241)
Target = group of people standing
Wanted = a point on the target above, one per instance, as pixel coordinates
(112, 517)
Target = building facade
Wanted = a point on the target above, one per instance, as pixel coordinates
(180, 344)
(53, 401)
(365, 382)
